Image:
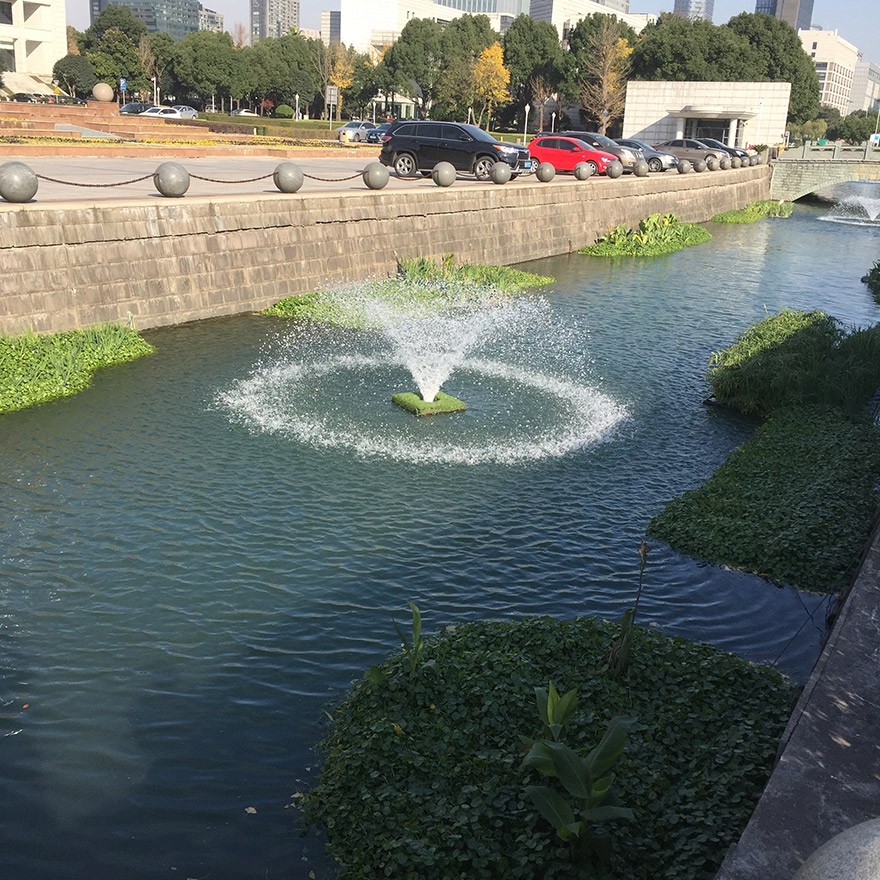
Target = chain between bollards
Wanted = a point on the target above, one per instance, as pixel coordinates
(94, 185)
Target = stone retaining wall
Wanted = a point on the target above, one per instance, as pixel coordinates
(168, 261)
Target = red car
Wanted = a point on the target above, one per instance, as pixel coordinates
(563, 153)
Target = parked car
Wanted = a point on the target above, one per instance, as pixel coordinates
(658, 160)
(731, 151)
(244, 112)
(186, 112)
(689, 148)
(165, 113)
(356, 129)
(415, 146)
(69, 99)
(627, 156)
(563, 153)
(374, 135)
(25, 98)
(135, 108)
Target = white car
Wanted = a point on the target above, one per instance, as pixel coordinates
(244, 113)
(164, 113)
(356, 130)
(186, 112)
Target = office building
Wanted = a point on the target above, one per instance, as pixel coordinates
(694, 9)
(330, 28)
(565, 14)
(209, 20)
(865, 93)
(273, 18)
(175, 17)
(835, 60)
(33, 36)
(798, 13)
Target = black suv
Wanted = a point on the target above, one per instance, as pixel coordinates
(417, 146)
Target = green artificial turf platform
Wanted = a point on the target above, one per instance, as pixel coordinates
(442, 403)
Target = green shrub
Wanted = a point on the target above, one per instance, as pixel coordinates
(656, 235)
(284, 111)
(872, 279)
(756, 211)
(794, 504)
(797, 358)
(38, 368)
(423, 779)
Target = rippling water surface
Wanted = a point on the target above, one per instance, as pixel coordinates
(183, 590)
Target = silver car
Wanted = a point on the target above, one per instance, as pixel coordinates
(658, 160)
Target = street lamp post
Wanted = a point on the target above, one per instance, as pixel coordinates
(297, 104)
(553, 121)
(155, 93)
(526, 125)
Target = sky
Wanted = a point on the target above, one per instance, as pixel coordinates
(856, 20)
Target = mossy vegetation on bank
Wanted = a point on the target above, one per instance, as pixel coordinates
(795, 503)
(36, 368)
(756, 211)
(656, 235)
(421, 286)
(423, 772)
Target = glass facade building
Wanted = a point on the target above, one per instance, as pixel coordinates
(695, 9)
(175, 17)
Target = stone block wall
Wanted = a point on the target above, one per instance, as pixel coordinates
(159, 262)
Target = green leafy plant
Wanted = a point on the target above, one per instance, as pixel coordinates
(619, 655)
(579, 819)
(872, 279)
(756, 211)
(657, 234)
(413, 647)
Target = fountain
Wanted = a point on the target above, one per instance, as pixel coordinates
(526, 380)
(856, 209)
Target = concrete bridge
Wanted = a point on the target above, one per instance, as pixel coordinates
(810, 168)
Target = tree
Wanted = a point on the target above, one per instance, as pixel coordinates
(205, 63)
(855, 128)
(491, 79)
(342, 73)
(114, 56)
(120, 18)
(464, 38)
(534, 58)
(75, 74)
(415, 62)
(783, 59)
(675, 48)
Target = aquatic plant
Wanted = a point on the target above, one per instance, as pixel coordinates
(422, 773)
(656, 235)
(36, 368)
(872, 279)
(756, 211)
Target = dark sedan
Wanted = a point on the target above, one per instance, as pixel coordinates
(731, 151)
(374, 135)
(690, 149)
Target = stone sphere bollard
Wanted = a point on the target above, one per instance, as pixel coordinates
(724, 163)
(288, 177)
(754, 160)
(583, 170)
(500, 172)
(614, 169)
(641, 168)
(18, 182)
(171, 179)
(376, 175)
(546, 172)
(684, 166)
(711, 163)
(700, 165)
(736, 162)
(853, 854)
(102, 92)
(443, 174)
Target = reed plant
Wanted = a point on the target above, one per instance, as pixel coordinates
(756, 211)
(36, 368)
(656, 235)
(872, 279)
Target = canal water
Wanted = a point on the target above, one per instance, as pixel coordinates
(192, 571)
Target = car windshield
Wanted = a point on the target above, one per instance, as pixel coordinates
(604, 141)
(476, 133)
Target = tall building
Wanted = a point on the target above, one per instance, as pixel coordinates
(273, 18)
(835, 60)
(330, 28)
(695, 9)
(175, 17)
(865, 87)
(484, 7)
(798, 13)
(209, 20)
(565, 14)
(33, 36)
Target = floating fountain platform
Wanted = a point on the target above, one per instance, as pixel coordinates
(442, 403)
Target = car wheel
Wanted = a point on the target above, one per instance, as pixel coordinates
(483, 167)
(594, 168)
(405, 165)
(356, 138)
(655, 164)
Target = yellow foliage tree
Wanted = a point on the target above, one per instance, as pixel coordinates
(603, 82)
(491, 79)
(341, 73)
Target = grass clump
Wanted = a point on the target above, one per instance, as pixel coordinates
(756, 211)
(794, 504)
(423, 774)
(656, 235)
(872, 279)
(37, 368)
(797, 358)
(422, 286)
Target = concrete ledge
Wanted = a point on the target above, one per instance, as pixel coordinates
(169, 261)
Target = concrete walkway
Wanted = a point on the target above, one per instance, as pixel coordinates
(828, 776)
